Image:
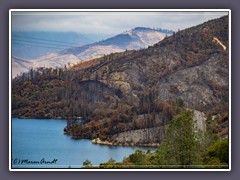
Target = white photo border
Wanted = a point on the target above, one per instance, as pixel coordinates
(112, 10)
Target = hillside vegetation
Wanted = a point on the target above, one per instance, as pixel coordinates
(134, 92)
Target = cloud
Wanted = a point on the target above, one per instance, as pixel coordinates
(106, 22)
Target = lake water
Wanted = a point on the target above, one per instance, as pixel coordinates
(40, 143)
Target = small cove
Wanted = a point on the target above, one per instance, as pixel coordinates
(37, 141)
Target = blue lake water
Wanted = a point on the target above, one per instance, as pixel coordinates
(40, 143)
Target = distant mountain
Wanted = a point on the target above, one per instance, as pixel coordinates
(20, 66)
(29, 45)
(165, 31)
(137, 38)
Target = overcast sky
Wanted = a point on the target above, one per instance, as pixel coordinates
(108, 23)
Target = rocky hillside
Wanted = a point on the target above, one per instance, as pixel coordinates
(133, 90)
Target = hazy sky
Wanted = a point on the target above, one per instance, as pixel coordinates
(108, 23)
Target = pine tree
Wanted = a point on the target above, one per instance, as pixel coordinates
(180, 146)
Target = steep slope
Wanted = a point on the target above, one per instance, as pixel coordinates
(134, 92)
(189, 65)
(136, 38)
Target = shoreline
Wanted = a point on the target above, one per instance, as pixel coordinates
(97, 140)
(38, 118)
(53, 118)
(100, 142)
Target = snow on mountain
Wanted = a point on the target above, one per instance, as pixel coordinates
(147, 36)
(97, 51)
(137, 38)
(134, 39)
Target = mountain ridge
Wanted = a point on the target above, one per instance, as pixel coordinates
(140, 38)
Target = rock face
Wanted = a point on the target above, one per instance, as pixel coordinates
(140, 137)
(196, 84)
(131, 95)
(188, 65)
(200, 119)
